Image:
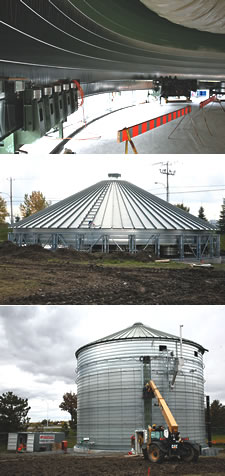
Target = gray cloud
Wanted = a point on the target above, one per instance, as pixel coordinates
(38, 342)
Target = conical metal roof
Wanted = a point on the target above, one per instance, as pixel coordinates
(135, 332)
(114, 204)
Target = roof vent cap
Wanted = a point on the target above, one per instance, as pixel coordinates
(114, 175)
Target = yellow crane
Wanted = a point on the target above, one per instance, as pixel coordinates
(167, 442)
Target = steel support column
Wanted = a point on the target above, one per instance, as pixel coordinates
(61, 132)
(105, 244)
(20, 240)
(54, 241)
(35, 239)
(132, 243)
(181, 246)
(79, 240)
(211, 246)
(217, 246)
(157, 246)
(147, 401)
(199, 254)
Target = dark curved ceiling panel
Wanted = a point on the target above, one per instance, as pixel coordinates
(97, 39)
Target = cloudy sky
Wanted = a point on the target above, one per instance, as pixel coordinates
(199, 179)
(38, 343)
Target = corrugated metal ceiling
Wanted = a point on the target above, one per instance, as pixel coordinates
(95, 40)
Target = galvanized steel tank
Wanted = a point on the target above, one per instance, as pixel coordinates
(111, 374)
(117, 214)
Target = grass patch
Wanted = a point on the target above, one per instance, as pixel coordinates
(18, 287)
(141, 264)
(219, 266)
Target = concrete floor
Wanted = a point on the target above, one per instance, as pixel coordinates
(200, 132)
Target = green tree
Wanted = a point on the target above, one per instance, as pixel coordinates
(69, 405)
(33, 203)
(13, 412)
(183, 207)
(201, 214)
(65, 428)
(217, 411)
(222, 218)
(3, 210)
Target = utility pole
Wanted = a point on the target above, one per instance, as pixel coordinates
(167, 172)
(11, 203)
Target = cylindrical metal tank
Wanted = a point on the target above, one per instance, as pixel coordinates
(115, 214)
(112, 372)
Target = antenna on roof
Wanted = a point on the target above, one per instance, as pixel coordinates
(114, 175)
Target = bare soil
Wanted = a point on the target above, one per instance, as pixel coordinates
(33, 275)
(70, 464)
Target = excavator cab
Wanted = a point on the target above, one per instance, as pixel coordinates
(157, 432)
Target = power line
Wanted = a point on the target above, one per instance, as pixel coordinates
(195, 191)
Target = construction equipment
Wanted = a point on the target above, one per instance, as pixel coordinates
(162, 442)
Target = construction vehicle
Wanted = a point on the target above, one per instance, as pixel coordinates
(162, 442)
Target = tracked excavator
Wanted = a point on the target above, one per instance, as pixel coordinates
(162, 442)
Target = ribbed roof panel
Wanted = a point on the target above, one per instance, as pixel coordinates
(138, 331)
(113, 204)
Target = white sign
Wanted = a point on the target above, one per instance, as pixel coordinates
(46, 439)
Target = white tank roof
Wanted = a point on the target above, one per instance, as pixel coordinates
(114, 204)
(139, 331)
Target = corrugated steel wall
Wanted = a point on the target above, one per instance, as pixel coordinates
(110, 387)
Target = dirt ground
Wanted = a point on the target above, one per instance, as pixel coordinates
(70, 464)
(33, 275)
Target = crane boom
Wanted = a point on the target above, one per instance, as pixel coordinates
(169, 418)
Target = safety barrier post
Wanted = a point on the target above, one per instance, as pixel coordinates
(131, 143)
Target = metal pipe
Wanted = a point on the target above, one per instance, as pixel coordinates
(181, 349)
(208, 421)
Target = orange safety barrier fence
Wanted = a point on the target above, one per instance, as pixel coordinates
(207, 101)
(133, 131)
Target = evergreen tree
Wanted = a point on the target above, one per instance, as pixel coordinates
(183, 207)
(13, 413)
(222, 218)
(201, 214)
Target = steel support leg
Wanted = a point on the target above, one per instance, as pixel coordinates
(54, 241)
(79, 239)
(181, 246)
(211, 247)
(132, 243)
(61, 132)
(199, 247)
(157, 246)
(105, 244)
(20, 240)
(35, 238)
(217, 246)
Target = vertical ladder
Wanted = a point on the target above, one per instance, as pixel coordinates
(94, 209)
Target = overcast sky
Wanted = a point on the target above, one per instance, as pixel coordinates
(38, 343)
(57, 177)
